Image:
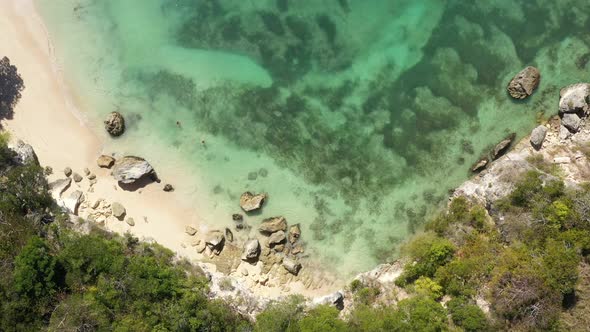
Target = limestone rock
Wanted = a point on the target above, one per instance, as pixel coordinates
(24, 153)
(190, 230)
(574, 98)
(72, 202)
(292, 266)
(250, 202)
(272, 225)
(118, 210)
(130, 169)
(480, 165)
(215, 241)
(564, 133)
(335, 299)
(115, 124)
(251, 250)
(502, 147)
(571, 121)
(58, 187)
(67, 171)
(130, 221)
(105, 161)
(77, 177)
(276, 238)
(538, 136)
(524, 83)
(294, 233)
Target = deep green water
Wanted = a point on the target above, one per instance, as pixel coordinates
(356, 116)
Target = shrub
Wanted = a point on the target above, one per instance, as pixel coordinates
(526, 189)
(467, 316)
(428, 252)
(281, 316)
(427, 287)
(322, 319)
(34, 270)
(420, 314)
(11, 86)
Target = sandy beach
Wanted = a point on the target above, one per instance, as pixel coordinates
(51, 119)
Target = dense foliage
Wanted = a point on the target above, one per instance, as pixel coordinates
(11, 86)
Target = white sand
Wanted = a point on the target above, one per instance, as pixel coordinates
(47, 117)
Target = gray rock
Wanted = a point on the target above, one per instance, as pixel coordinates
(86, 171)
(115, 124)
(524, 83)
(292, 266)
(77, 177)
(277, 238)
(480, 165)
(58, 187)
(272, 225)
(250, 202)
(130, 221)
(73, 201)
(215, 241)
(67, 171)
(24, 153)
(251, 250)
(105, 161)
(130, 169)
(574, 98)
(571, 121)
(538, 136)
(564, 133)
(502, 147)
(335, 299)
(201, 247)
(118, 210)
(294, 233)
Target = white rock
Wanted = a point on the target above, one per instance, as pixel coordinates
(130, 169)
(72, 202)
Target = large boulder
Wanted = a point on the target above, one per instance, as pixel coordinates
(277, 238)
(250, 202)
(292, 266)
(502, 147)
(251, 250)
(73, 201)
(538, 136)
(274, 224)
(118, 210)
(524, 83)
(105, 161)
(130, 169)
(335, 299)
(115, 124)
(574, 98)
(215, 241)
(58, 187)
(571, 121)
(24, 153)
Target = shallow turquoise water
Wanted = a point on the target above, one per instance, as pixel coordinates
(356, 117)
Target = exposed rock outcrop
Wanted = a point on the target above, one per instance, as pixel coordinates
(272, 225)
(115, 124)
(524, 83)
(574, 98)
(251, 250)
(502, 147)
(77, 177)
(480, 165)
(67, 171)
(58, 187)
(73, 201)
(215, 241)
(335, 299)
(130, 169)
(105, 161)
(538, 136)
(24, 153)
(250, 202)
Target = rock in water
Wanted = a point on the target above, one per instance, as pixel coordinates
(276, 238)
(251, 250)
(118, 210)
(237, 217)
(57, 187)
(24, 153)
(273, 224)
(250, 202)
(524, 83)
(291, 266)
(574, 98)
(294, 233)
(105, 161)
(538, 136)
(502, 147)
(130, 169)
(73, 201)
(115, 124)
(571, 121)
(480, 165)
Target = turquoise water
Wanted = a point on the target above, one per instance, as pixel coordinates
(355, 116)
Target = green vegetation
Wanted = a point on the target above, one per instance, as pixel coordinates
(11, 86)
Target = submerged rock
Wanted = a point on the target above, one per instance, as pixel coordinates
(571, 121)
(237, 217)
(274, 224)
(564, 133)
(574, 98)
(105, 161)
(292, 266)
(524, 83)
(538, 136)
(502, 147)
(24, 153)
(251, 250)
(115, 124)
(294, 233)
(118, 210)
(480, 165)
(250, 202)
(130, 169)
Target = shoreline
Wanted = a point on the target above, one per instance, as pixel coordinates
(48, 118)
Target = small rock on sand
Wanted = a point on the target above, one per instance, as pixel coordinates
(118, 210)
(105, 161)
(67, 171)
(168, 188)
(130, 221)
(190, 230)
(77, 177)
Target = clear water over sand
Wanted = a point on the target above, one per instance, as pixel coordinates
(355, 116)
